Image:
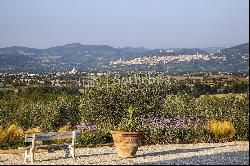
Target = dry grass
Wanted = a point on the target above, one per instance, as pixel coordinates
(13, 132)
(239, 95)
(33, 130)
(221, 128)
(2, 135)
(64, 128)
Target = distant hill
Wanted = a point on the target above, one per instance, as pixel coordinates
(64, 57)
(134, 50)
(233, 59)
(99, 58)
(235, 51)
(177, 51)
(212, 50)
(13, 59)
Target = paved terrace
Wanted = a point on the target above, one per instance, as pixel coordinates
(231, 153)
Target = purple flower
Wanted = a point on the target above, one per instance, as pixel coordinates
(172, 123)
(84, 127)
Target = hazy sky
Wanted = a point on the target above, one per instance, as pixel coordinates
(120, 23)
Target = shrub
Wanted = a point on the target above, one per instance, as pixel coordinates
(64, 128)
(49, 111)
(104, 105)
(33, 130)
(13, 136)
(2, 135)
(13, 132)
(94, 138)
(168, 130)
(221, 129)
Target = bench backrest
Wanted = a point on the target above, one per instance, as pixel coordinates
(51, 136)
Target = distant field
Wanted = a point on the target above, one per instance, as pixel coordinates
(184, 77)
(227, 77)
(240, 95)
(12, 88)
(4, 89)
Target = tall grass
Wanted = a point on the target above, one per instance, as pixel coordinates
(12, 136)
(221, 129)
(64, 128)
(2, 135)
(14, 132)
(33, 130)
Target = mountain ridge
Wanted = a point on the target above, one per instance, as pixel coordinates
(99, 57)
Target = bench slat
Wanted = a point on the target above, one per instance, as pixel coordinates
(47, 138)
(51, 136)
(50, 145)
(54, 133)
(44, 138)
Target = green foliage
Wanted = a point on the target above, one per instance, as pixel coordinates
(108, 101)
(94, 138)
(47, 111)
(71, 90)
(132, 122)
(106, 105)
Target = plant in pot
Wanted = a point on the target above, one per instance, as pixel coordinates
(127, 137)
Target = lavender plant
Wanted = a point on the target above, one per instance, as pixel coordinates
(172, 123)
(84, 127)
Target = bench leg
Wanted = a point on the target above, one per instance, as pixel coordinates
(72, 151)
(66, 152)
(25, 155)
(32, 155)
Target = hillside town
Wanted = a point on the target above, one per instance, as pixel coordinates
(165, 59)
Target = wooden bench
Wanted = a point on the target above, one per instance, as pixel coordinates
(69, 148)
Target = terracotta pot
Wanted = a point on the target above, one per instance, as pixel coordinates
(126, 143)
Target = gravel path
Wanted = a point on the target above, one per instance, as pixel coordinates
(231, 153)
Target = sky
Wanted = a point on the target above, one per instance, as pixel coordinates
(121, 23)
